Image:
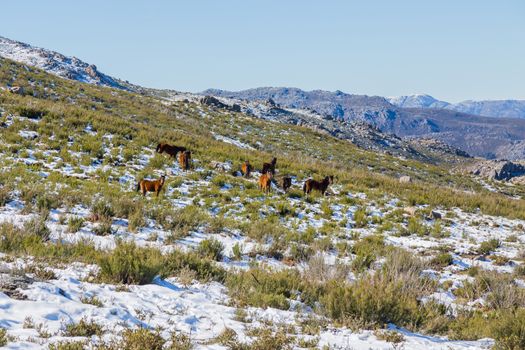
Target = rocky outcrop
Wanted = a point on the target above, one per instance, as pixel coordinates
(12, 285)
(497, 170)
(215, 102)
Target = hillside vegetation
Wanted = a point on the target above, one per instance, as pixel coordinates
(441, 255)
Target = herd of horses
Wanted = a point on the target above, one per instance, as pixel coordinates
(265, 179)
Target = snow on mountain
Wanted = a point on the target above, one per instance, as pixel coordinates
(486, 108)
(417, 101)
(56, 63)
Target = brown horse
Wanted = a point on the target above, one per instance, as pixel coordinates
(286, 183)
(269, 167)
(311, 184)
(185, 160)
(246, 168)
(265, 182)
(151, 186)
(169, 149)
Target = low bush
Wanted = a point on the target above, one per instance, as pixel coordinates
(141, 338)
(442, 260)
(489, 246)
(83, 328)
(211, 248)
(74, 224)
(37, 226)
(205, 269)
(130, 264)
(101, 210)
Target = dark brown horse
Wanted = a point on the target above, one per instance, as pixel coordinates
(169, 149)
(311, 184)
(286, 183)
(265, 182)
(151, 186)
(185, 160)
(246, 169)
(269, 167)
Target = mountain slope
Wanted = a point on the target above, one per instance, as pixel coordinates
(58, 64)
(477, 135)
(215, 262)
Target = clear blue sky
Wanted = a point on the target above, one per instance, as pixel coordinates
(451, 49)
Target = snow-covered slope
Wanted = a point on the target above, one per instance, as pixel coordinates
(56, 63)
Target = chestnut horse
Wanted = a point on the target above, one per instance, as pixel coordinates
(151, 186)
(169, 149)
(246, 168)
(269, 167)
(265, 182)
(185, 160)
(311, 184)
(286, 183)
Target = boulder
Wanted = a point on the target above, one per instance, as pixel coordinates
(410, 210)
(405, 179)
(91, 70)
(435, 215)
(16, 90)
(213, 101)
(235, 108)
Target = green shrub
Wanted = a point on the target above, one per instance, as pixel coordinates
(68, 345)
(360, 218)
(415, 226)
(489, 246)
(83, 328)
(141, 338)
(130, 264)
(237, 251)
(260, 288)
(367, 250)
(37, 226)
(180, 341)
(211, 248)
(205, 269)
(180, 221)
(136, 220)
(3, 337)
(5, 196)
(104, 228)
(74, 224)
(101, 210)
(442, 260)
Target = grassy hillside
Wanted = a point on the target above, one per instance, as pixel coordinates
(71, 158)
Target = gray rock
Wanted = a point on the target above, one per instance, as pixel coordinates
(405, 179)
(497, 170)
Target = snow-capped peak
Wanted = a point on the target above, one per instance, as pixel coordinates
(417, 101)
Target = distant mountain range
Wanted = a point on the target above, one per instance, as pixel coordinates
(340, 114)
(489, 108)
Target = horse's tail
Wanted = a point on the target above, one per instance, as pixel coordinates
(138, 186)
(304, 187)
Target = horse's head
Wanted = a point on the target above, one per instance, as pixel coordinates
(330, 179)
(162, 179)
(274, 161)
